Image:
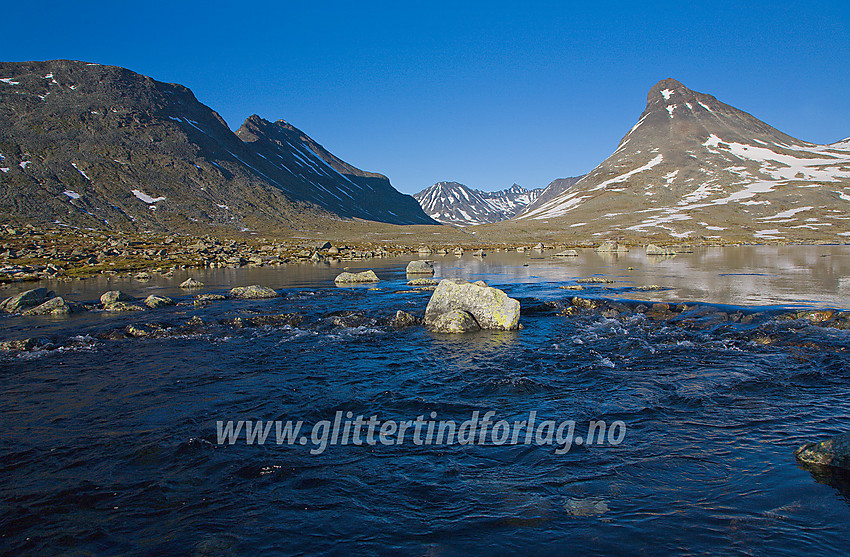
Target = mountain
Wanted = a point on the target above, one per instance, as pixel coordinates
(103, 147)
(454, 203)
(554, 189)
(695, 167)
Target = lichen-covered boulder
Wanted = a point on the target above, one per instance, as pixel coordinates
(53, 306)
(652, 249)
(832, 452)
(153, 301)
(25, 300)
(255, 291)
(354, 278)
(454, 321)
(491, 307)
(420, 267)
(114, 296)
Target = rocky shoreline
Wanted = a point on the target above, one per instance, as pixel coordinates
(28, 253)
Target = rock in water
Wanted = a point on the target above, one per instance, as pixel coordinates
(53, 306)
(153, 301)
(122, 306)
(611, 246)
(832, 452)
(423, 282)
(652, 249)
(252, 292)
(454, 321)
(115, 296)
(191, 283)
(566, 253)
(420, 267)
(404, 319)
(24, 300)
(352, 278)
(491, 308)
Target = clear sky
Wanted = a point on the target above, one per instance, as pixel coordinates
(485, 93)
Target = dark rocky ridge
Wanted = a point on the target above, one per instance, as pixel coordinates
(77, 139)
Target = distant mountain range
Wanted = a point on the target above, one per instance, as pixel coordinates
(454, 203)
(694, 167)
(103, 147)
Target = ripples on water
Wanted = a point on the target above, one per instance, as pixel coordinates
(109, 443)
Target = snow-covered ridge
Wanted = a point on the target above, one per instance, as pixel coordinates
(454, 203)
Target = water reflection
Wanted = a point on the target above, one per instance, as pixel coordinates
(746, 275)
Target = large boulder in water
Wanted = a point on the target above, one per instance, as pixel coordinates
(420, 267)
(53, 306)
(25, 300)
(353, 278)
(253, 292)
(832, 452)
(653, 249)
(115, 296)
(491, 308)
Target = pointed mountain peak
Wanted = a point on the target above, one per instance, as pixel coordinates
(669, 91)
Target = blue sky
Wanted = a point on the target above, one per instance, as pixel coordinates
(484, 93)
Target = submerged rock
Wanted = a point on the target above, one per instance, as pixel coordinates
(202, 299)
(353, 278)
(25, 300)
(832, 452)
(153, 301)
(490, 307)
(566, 253)
(22, 345)
(420, 267)
(255, 291)
(122, 306)
(454, 321)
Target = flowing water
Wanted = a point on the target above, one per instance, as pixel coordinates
(110, 444)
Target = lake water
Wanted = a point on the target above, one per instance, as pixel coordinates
(110, 443)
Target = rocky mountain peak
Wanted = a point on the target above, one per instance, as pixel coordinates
(693, 166)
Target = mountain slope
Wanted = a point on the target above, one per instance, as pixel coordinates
(454, 203)
(104, 147)
(554, 189)
(694, 167)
